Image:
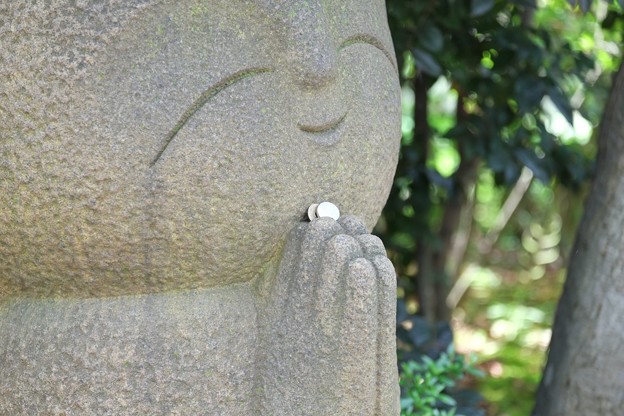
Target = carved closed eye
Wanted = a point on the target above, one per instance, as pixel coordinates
(371, 40)
(202, 100)
(246, 73)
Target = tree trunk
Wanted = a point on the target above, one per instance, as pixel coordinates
(584, 374)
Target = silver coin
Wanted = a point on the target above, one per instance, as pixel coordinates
(312, 211)
(327, 209)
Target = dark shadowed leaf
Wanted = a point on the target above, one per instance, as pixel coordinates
(426, 62)
(530, 160)
(528, 92)
(561, 102)
(431, 37)
(498, 157)
(439, 180)
(584, 4)
(469, 398)
(401, 314)
(526, 3)
(420, 332)
(480, 7)
(511, 173)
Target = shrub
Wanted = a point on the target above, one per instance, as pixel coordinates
(426, 384)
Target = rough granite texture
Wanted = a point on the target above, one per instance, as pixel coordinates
(157, 159)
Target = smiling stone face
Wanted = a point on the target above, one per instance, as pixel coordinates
(159, 146)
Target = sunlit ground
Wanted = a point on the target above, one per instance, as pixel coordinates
(505, 318)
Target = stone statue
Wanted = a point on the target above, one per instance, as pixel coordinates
(157, 159)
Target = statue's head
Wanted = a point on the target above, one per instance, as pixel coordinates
(156, 145)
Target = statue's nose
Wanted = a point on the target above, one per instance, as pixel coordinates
(313, 57)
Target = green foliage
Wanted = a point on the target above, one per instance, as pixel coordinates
(492, 90)
(488, 85)
(426, 384)
(504, 71)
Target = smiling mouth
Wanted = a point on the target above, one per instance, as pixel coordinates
(322, 128)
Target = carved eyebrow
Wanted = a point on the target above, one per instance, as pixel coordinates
(202, 100)
(371, 40)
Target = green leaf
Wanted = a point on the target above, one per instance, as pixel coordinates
(426, 62)
(475, 372)
(480, 7)
(427, 360)
(407, 403)
(448, 400)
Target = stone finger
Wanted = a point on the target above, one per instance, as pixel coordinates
(340, 250)
(372, 245)
(359, 336)
(310, 258)
(318, 232)
(352, 225)
(387, 374)
(288, 265)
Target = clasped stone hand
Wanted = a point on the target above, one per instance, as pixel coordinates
(329, 325)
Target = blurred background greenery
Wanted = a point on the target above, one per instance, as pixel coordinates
(501, 101)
